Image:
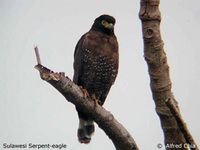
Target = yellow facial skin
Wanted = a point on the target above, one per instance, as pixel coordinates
(107, 25)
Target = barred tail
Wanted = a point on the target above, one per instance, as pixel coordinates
(85, 130)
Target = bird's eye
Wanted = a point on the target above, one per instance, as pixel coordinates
(103, 22)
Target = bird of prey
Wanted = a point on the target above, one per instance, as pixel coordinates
(96, 60)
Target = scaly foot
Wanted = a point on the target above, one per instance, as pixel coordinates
(96, 101)
(85, 92)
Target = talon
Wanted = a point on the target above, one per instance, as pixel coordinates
(85, 92)
(96, 101)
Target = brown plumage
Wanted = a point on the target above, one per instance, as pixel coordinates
(96, 60)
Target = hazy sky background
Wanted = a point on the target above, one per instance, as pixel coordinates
(32, 111)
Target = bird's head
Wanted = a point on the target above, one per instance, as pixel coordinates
(105, 24)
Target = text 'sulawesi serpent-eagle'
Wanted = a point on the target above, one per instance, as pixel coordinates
(96, 60)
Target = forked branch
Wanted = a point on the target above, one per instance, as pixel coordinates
(182, 125)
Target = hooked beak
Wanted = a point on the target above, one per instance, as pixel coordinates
(110, 26)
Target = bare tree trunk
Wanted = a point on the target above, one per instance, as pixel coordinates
(158, 68)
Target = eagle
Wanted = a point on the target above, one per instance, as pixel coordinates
(96, 61)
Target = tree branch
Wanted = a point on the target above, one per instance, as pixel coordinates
(182, 125)
(158, 68)
(37, 55)
(105, 120)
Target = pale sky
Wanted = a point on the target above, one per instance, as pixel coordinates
(32, 111)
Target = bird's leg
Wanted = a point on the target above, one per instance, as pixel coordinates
(85, 92)
(96, 101)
